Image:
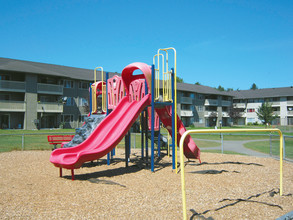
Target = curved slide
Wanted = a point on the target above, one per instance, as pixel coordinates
(190, 148)
(104, 138)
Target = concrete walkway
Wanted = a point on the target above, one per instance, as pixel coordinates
(236, 146)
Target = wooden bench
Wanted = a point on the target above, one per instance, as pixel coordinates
(58, 139)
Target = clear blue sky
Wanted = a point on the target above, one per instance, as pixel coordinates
(232, 43)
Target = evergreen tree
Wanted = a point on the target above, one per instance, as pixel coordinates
(253, 86)
(179, 80)
(265, 113)
(220, 88)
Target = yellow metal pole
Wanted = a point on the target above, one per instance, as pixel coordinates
(175, 96)
(281, 162)
(94, 98)
(223, 131)
(157, 71)
(183, 174)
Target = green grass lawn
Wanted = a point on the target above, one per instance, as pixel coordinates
(32, 140)
(264, 147)
(219, 151)
(37, 140)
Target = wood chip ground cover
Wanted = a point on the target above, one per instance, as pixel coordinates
(222, 187)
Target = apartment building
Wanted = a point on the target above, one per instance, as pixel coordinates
(37, 95)
(203, 106)
(249, 101)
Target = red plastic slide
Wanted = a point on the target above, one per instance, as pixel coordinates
(190, 148)
(104, 138)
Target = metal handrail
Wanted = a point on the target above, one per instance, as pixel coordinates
(224, 131)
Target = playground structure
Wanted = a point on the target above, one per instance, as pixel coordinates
(128, 97)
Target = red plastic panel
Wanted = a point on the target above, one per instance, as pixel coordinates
(115, 91)
(137, 90)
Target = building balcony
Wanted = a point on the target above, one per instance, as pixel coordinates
(275, 104)
(213, 102)
(210, 114)
(276, 113)
(12, 106)
(225, 114)
(186, 100)
(226, 103)
(186, 113)
(50, 89)
(239, 105)
(50, 107)
(290, 102)
(12, 86)
(290, 113)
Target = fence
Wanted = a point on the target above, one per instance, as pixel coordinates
(268, 142)
(26, 141)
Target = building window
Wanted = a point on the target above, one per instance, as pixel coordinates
(200, 108)
(250, 110)
(68, 83)
(82, 118)
(200, 97)
(69, 101)
(185, 107)
(67, 118)
(4, 97)
(83, 101)
(250, 120)
(83, 85)
(4, 77)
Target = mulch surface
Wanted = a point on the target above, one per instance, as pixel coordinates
(222, 187)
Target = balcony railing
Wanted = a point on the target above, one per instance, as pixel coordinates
(210, 114)
(50, 107)
(15, 86)
(239, 105)
(226, 103)
(276, 113)
(186, 113)
(290, 113)
(211, 102)
(12, 106)
(225, 114)
(275, 103)
(50, 89)
(186, 100)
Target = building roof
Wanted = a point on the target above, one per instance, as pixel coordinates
(7, 64)
(263, 93)
(201, 89)
(48, 69)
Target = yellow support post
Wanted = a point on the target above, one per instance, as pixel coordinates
(157, 76)
(175, 88)
(103, 89)
(223, 131)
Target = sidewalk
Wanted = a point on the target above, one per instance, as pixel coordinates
(236, 146)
